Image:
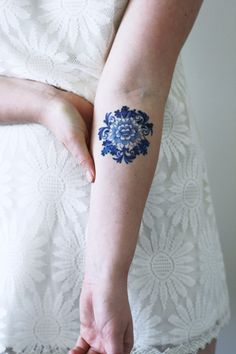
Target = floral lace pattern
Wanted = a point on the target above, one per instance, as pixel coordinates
(64, 43)
(177, 285)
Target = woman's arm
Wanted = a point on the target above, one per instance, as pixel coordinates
(22, 101)
(26, 101)
(138, 75)
(67, 115)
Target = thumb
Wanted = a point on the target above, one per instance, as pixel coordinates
(76, 143)
(81, 347)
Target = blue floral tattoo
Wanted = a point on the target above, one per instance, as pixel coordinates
(124, 135)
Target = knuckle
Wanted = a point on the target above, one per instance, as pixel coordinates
(70, 139)
(82, 162)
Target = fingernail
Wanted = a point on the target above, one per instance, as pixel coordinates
(89, 176)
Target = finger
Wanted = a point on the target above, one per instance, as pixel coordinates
(81, 351)
(81, 347)
(77, 351)
(129, 339)
(84, 347)
(92, 351)
(77, 145)
(81, 343)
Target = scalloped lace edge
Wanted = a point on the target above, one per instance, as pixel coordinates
(190, 347)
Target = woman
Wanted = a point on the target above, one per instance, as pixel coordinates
(131, 263)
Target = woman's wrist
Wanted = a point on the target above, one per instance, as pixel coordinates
(57, 101)
(50, 100)
(109, 262)
(22, 100)
(106, 268)
(108, 274)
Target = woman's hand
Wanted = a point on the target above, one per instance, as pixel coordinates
(68, 115)
(62, 115)
(106, 325)
(84, 107)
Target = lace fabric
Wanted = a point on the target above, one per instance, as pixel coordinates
(191, 347)
(177, 285)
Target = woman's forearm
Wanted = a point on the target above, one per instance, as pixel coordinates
(119, 192)
(22, 101)
(137, 74)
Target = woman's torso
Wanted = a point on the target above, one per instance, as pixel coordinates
(63, 43)
(178, 255)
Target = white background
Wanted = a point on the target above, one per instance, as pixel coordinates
(209, 58)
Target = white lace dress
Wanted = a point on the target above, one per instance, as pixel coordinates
(177, 286)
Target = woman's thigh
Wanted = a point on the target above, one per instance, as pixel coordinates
(210, 348)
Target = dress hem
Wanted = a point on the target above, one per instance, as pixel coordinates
(193, 345)
(190, 347)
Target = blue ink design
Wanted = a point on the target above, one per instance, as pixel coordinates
(124, 135)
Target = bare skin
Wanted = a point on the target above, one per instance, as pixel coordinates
(67, 115)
